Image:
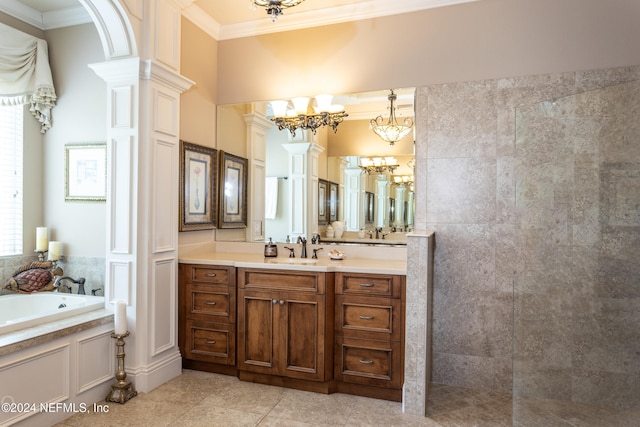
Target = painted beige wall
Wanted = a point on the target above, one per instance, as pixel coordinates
(197, 105)
(79, 117)
(472, 41)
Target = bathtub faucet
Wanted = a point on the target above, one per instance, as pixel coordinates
(80, 281)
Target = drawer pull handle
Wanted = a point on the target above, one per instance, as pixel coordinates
(366, 317)
(209, 341)
(211, 275)
(210, 302)
(366, 362)
(366, 285)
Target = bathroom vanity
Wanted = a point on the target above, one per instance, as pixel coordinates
(318, 325)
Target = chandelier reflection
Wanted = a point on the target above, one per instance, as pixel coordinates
(403, 180)
(274, 7)
(378, 165)
(300, 114)
(391, 131)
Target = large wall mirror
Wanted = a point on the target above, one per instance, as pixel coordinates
(309, 183)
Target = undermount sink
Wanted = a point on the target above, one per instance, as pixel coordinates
(296, 261)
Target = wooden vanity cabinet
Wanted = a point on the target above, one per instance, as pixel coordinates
(285, 324)
(207, 317)
(369, 330)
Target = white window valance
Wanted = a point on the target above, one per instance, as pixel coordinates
(25, 75)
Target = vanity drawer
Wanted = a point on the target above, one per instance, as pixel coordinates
(369, 362)
(208, 274)
(212, 303)
(369, 284)
(288, 280)
(210, 342)
(367, 317)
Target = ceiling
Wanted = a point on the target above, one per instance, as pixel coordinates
(227, 19)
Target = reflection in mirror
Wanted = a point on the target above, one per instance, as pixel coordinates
(311, 180)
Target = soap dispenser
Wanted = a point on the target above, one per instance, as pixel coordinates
(270, 249)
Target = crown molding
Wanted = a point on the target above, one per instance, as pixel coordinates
(45, 21)
(328, 16)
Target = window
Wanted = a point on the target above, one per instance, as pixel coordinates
(11, 136)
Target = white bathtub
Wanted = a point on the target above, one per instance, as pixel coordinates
(26, 310)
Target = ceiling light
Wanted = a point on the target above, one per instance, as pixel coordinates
(300, 114)
(391, 131)
(378, 165)
(274, 7)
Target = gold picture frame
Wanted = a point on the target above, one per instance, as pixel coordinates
(86, 172)
(233, 191)
(198, 175)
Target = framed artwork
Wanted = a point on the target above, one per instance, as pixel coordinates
(369, 200)
(333, 201)
(233, 191)
(392, 211)
(198, 169)
(86, 172)
(323, 191)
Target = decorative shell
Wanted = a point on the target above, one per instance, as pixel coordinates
(37, 276)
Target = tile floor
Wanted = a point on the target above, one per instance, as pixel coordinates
(203, 399)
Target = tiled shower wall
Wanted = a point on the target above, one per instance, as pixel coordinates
(510, 214)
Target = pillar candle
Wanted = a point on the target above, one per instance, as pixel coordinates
(54, 251)
(41, 239)
(120, 317)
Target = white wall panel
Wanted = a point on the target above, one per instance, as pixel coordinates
(164, 306)
(165, 188)
(165, 118)
(122, 107)
(167, 34)
(121, 154)
(95, 361)
(41, 378)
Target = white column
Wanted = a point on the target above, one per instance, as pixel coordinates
(303, 188)
(354, 199)
(257, 126)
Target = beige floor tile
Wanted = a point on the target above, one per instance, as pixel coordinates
(205, 415)
(315, 408)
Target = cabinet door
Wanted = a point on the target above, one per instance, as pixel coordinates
(257, 332)
(303, 333)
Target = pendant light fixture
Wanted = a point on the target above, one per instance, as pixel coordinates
(274, 7)
(391, 131)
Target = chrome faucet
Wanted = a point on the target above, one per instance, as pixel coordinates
(58, 285)
(303, 242)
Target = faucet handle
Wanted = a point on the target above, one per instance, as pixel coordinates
(291, 253)
(315, 253)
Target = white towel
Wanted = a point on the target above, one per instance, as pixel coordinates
(271, 197)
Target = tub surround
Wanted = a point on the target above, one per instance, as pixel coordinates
(29, 337)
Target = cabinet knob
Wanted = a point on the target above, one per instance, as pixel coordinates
(274, 301)
(366, 285)
(366, 362)
(281, 302)
(210, 302)
(366, 317)
(209, 341)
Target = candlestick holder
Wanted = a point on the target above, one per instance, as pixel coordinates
(122, 390)
(41, 254)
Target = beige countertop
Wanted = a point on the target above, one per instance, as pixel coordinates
(322, 263)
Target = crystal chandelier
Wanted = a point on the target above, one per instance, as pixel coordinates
(305, 116)
(378, 165)
(274, 7)
(391, 131)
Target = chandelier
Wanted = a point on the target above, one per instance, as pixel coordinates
(305, 116)
(391, 131)
(274, 7)
(406, 180)
(378, 165)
